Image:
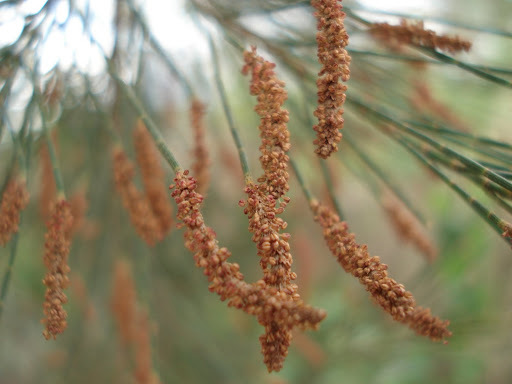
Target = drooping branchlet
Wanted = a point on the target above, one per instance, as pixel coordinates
(391, 296)
(332, 38)
(57, 246)
(14, 200)
(423, 100)
(414, 33)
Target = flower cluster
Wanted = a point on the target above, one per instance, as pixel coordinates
(123, 301)
(141, 214)
(266, 199)
(407, 226)
(153, 175)
(48, 187)
(144, 372)
(275, 137)
(274, 308)
(200, 168)
(57, 247)
(416, 34)
(385, 291)
(132, 322)
(14, 200)
(332, 39)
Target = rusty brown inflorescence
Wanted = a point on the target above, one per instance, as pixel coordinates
(153, 177)
(266, 199)
(408, 228)
(134, 201)
(14, 200)
(48, 187)
(144, 371)
(269, 304)
(133, 323)
(415, 33)
(124, 301)
(332, 39)
(201, 166)
(391, 296)
(57, 246)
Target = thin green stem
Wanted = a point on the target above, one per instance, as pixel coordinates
(8, 272)
(227, 110)
(97, 105)
(469, 163)
(417, 59)
(300, 179)
(150, 125)
(442, 130)
(487, 215)
(383, 177)
(144, 116)
(166, 58)
(330, 187)
(494, 191)
(467, 67)
(53, 157)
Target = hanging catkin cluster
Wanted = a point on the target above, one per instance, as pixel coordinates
(385, 291)
(201, 165)
(269, 304)
(262, 206)
(332, 38)
(134, 201)
(14, 200)
(124, 301)
(153, 177)
(407, 226)
(133, 323)
(57, 245)
(48, 187)
(415, 33)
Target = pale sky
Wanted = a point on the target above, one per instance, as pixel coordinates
(167, 19)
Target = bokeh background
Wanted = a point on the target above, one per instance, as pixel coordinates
(195, 337)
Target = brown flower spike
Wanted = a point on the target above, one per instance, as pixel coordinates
(415, 33)
(385, 291)
(408, 228)
(133, 323)
(14, 200)
(57, 245)
(332, 39)
(48, 187)
(124, 301)
(263, 206)
(275, 137)
(144, 372)
(134, 201)
(201, 165)
(267, 303)
(153, 177)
